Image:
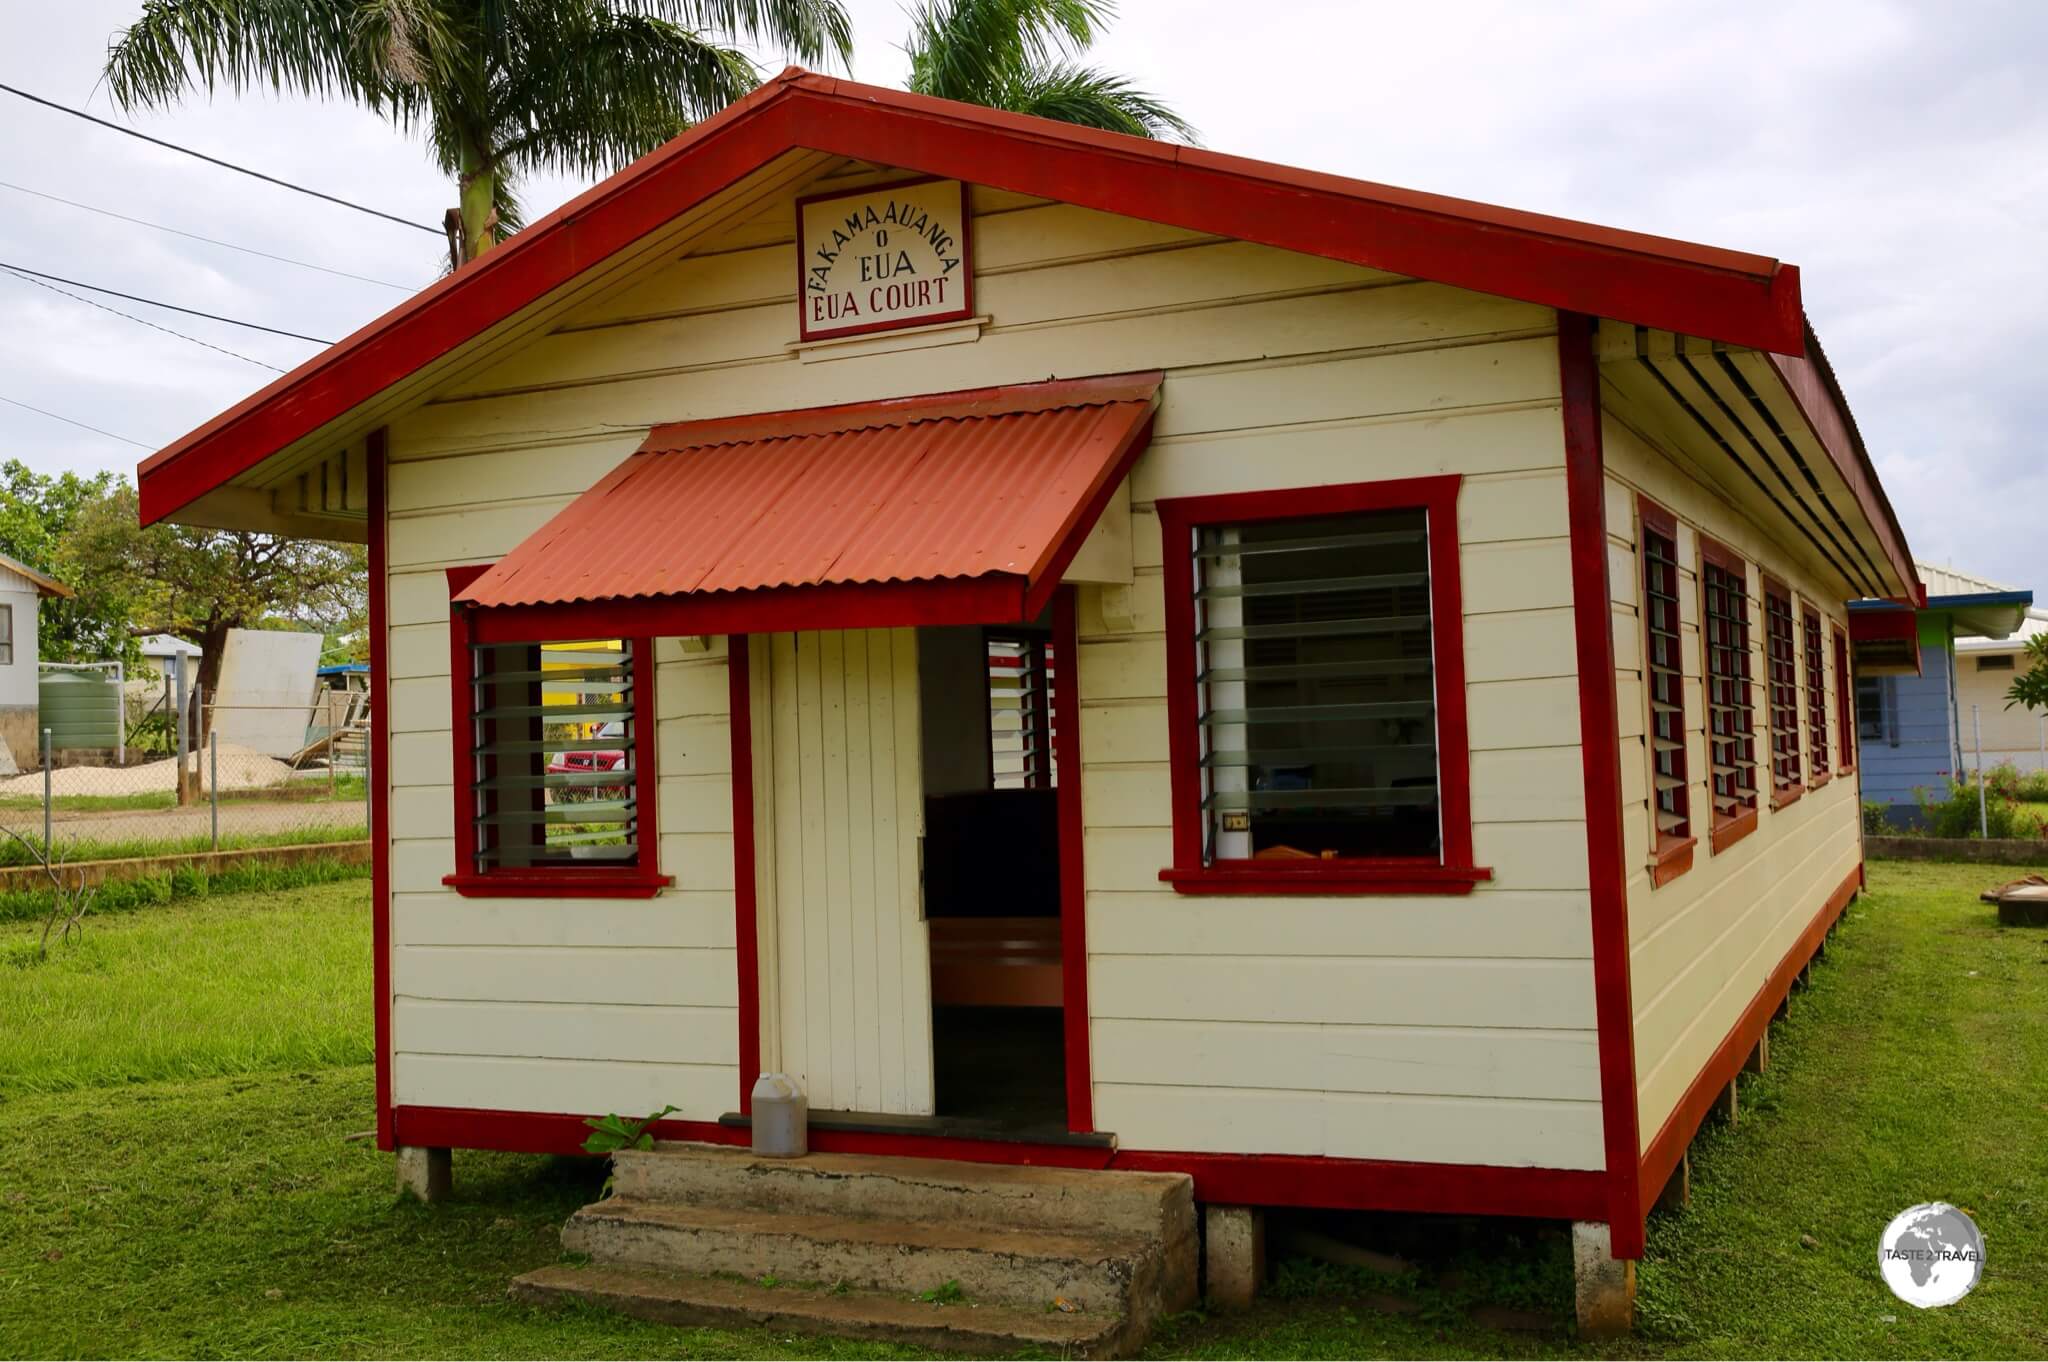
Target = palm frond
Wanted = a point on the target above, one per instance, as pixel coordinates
(302, 46)
(1093, 98)
(969, 49)
(808, 30)
(608, 88)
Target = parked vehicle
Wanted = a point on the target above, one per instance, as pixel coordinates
(594, 759)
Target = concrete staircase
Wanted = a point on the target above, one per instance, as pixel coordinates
(977, 1258)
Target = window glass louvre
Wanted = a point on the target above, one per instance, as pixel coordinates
(1731, 735)
(1781, 671)
(1996, 662)
(555, 781)
(1873, 708)
(1020, 722)
(1673, 809)
(7, 635)
(1316, 689)
(1816, 694)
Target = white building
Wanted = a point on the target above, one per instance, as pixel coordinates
(21, 588)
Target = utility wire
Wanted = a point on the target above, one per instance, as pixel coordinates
(80, 424)
(225, 165)
(168, 307)
(151, 325)
(211, 241)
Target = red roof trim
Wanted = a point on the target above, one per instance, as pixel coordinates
(1815, 390)
(1722, 295)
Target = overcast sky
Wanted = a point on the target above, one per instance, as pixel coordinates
(1898, 153)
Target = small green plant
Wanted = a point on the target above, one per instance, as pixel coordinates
(612, 1132)
(769, 1280)
(946, 1293)
(1877, 818)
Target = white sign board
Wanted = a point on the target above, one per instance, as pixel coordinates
(884, 257)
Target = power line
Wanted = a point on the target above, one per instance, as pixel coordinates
(194, 236)
(145, 322)
(80, 424)
(168, 307)
(225, 165)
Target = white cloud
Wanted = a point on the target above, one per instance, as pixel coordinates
(1897, 152)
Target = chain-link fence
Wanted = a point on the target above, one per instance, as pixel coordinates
(248, 776)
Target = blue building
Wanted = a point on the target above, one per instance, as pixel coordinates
(1911, 732)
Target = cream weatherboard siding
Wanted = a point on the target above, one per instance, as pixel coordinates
(1702, 946)
(1442, 1028)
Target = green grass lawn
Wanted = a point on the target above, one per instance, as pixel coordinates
(176, 1176)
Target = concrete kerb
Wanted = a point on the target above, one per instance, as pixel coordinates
(31, 877)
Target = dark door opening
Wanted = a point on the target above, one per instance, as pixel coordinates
(992, 879)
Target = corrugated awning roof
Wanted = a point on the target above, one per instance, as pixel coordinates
(943, 509)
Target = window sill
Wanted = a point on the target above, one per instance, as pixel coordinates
(1729, 831)
(1820, 778)
(560, 884)
(1786, 795)
(1332, 878)
(1672, 858)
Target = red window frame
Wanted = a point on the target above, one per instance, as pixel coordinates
(1816, 698)
(1845, 704)
(1671, 842)
(1729, 687)
(643, 880)
(1451, 871)
(1781, 677)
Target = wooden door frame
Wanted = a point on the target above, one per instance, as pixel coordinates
(1073, 878)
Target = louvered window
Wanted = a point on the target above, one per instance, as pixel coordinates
(1731, 713)
(555, 766)
(1781, 672)
(1314, 681)
(1020, 714)
(1845, 702)
(1816, 695)
(1666, 679)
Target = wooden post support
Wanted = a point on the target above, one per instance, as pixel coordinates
(1726, 1104)
(1759, 1058)
(1677, 1193)
(1604, 1285)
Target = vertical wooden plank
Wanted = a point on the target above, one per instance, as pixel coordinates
(917, 982)
(839, 830)
(816, 921)
(871, 1006)
(767, 930)
(787, 797)
(888, 863)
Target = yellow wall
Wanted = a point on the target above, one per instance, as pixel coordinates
(2013, 735)
(1440, 1029)
(1701, 946)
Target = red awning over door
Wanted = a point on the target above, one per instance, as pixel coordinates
(950, 509)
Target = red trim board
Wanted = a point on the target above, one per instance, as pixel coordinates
(745, 892)
(380, 779)
(1066, 746)
(1600, 756)
(1669, 1144)
(1740, 299)
(1231, 1179)
(1453, 872)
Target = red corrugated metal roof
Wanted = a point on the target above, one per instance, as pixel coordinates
(994, 483)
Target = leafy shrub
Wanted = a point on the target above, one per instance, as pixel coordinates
(1953, 812)
(1877, 819)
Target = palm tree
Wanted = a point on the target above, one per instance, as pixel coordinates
(1024, 56)
(501, 87)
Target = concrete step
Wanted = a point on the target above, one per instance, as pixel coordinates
(991, 1261)
(1082, 1201)
(981, 1329)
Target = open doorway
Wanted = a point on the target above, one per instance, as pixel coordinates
(992, 877)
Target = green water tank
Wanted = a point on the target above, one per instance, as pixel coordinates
(81, 709)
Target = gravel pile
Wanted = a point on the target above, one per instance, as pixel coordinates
(241, 768)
